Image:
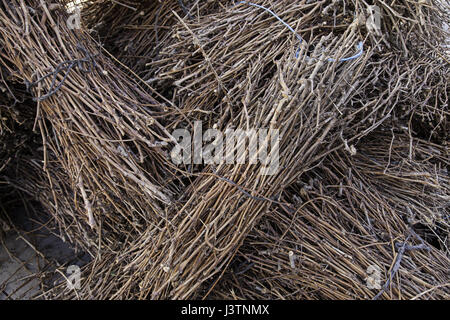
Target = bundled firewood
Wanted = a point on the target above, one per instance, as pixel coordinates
(337, 188)
(100, 128)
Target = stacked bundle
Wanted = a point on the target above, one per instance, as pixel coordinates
(103, 147)
(376, 222)
(348, 175)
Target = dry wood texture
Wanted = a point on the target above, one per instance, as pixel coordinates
(362, 118)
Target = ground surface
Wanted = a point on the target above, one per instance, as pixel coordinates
(28, 259)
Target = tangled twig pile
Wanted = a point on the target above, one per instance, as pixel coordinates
(359, 118)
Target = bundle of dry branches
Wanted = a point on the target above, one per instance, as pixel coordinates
(369, 226)
(99, 127)
(217, 75)
(312, 74)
